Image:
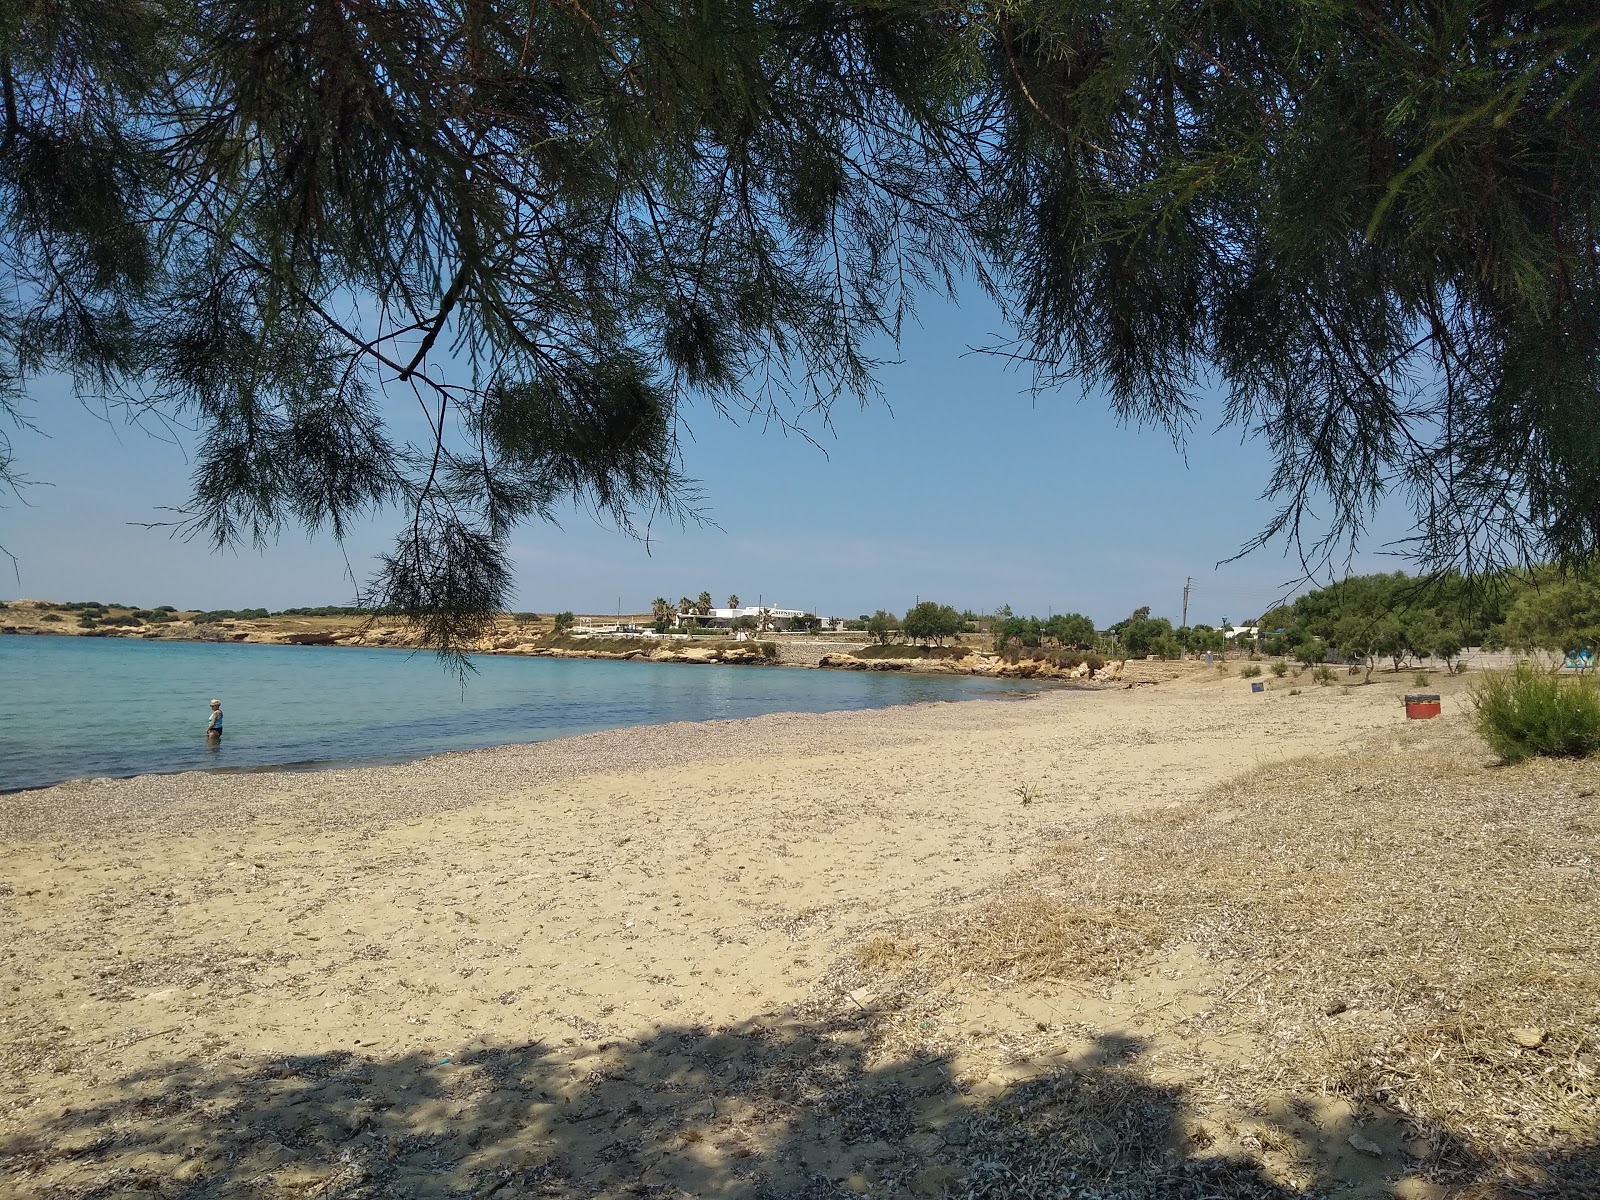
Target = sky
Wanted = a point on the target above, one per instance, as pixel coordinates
(958, 486)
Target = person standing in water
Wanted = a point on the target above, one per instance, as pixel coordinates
(214, 726)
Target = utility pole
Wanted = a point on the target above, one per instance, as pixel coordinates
(1188, 582)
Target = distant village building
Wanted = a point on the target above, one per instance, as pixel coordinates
(722, 618)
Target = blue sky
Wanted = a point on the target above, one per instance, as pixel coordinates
(959, 486)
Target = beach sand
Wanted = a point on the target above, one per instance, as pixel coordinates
(607, 965)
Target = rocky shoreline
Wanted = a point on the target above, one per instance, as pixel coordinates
(514, 638)
(993, 665)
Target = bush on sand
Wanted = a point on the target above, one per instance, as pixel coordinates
(1529, 711)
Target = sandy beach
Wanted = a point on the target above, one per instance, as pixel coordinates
(620, 964)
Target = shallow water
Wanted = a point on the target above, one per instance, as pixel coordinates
(72, 707)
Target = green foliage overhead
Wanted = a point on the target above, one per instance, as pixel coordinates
(549, 227)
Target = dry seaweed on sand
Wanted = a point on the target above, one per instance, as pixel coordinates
(1409, 928)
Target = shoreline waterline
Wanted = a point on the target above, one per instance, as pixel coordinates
(78, 709)
(363, 763)
(351, 797)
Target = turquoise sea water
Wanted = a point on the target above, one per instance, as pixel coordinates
(74, 707)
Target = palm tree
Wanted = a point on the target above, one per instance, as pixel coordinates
(703, 604)
(661, 610)
(733, 600)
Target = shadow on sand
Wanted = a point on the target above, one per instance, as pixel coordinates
(771, 1108)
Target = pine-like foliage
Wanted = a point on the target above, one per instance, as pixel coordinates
(1373, 224)
(537, 225)
(471, 257)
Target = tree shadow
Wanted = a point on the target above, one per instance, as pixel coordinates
(770, 1109)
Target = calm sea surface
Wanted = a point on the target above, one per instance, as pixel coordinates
(72, 707)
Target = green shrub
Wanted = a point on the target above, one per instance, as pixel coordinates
(1249, 672)
(1280, 669)
(1310, 653)
(1420, 679)
(770, 649)
(51, 617)
(564, 621)
(906, 651)
(1528, 711)
(1323, 675)
(525, 618)
(334, 610)
(230, 614)
(87, 621)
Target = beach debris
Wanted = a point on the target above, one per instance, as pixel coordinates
(1528, 1037)
(1365, 1145)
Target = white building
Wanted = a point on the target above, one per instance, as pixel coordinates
(723, 617)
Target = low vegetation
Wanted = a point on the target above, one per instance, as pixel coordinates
(903, 651)
(559, 640)
(564, 640)
(1528, 711)
(1067, 659)
(1398, 619)
(1374, 934)
(217, 615)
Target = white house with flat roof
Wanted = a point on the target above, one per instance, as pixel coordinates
(723, 617)
(726, 616)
